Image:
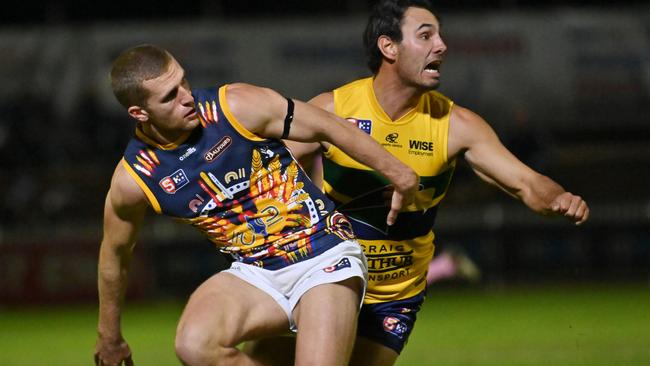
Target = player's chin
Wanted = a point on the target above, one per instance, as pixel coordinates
(430, 83)
(429, 86)
(193, 122)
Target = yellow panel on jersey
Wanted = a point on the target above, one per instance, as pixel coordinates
(398, 255)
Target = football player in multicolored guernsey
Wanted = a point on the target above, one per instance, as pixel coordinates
(214, 159)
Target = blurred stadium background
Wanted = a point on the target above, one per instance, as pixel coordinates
(565, 84)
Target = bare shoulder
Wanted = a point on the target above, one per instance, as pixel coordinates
(464, 118)
(245, 90)
(239, 96)
(324, 101)
(125, 195)
(466, 128)
(255, 106)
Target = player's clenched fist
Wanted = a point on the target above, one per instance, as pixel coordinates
(112, 353)
(571, 206)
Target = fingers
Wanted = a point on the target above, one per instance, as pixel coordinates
(392, 216)
(396, 205)
(572, 207)
(582, 213)
(399, 200)
(127, 362)
(121, 357)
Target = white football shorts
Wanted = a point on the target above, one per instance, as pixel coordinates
(287, 285)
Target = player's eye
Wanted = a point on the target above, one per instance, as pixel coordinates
(170, 96)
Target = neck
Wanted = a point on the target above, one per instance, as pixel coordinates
(395, 97)
(161, 136)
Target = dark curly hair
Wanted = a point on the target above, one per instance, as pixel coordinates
(386, 20)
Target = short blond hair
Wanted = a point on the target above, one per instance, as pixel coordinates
(132, 67)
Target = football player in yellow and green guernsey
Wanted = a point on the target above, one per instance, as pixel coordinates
(400, 108)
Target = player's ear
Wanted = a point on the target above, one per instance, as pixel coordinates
(387, 47)
(139, 113)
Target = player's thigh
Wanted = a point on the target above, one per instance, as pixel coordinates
(370, 353)
(339, 300)
(226, 310)
(326, 317)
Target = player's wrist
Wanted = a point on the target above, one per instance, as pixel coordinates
(110, 335)
(406, 180)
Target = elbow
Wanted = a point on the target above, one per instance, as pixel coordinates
(114, 258)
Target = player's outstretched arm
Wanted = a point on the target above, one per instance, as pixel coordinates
(263, 112)
(124, 212)
(470, 135)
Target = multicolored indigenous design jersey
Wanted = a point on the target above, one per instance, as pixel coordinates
(246, 193)
(397, 256)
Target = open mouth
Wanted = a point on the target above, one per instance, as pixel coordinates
(191, 113)
(433, 67)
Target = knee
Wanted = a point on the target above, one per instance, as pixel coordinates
(195, 348)
(190, 349)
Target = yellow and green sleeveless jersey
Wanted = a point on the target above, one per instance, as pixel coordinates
(398, 255)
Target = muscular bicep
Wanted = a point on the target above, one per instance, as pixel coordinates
(471, 136)
(313, 124)
(268, 114)
(124, 211)
(264, 112)
(309, 153)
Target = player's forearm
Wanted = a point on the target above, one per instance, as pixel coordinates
(112, 282)
(366, 151)
(540, 194)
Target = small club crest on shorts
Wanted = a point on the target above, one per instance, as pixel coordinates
(343, 263)
(395, 326)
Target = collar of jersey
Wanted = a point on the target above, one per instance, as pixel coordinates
(149, 141)
(379, 111)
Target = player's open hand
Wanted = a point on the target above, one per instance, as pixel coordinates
(112, 353)
(571, 206)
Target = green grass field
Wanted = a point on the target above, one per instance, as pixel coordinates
(550, 325)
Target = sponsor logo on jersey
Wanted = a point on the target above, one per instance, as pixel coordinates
(364, 125)
(391, 140)
(388, 261)
(343, 263)
(421, 145)
(217, 149)
(172, 183)
(395, 326)
(387, 257)
(187, 153)
(378, 263)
